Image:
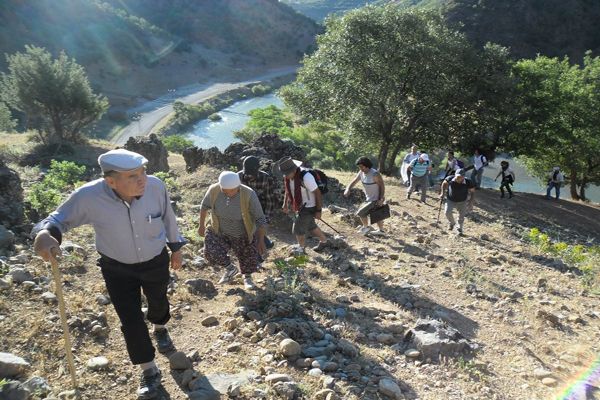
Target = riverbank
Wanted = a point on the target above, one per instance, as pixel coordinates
(151, 113)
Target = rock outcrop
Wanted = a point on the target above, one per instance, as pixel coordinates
(153, 149)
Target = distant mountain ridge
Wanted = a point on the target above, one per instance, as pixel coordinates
(528, 27)
(135, 47)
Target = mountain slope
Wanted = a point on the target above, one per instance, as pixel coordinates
(141, 48)
(528, 27)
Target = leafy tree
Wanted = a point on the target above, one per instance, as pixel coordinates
(389, 77)
(559, 119)
(270, 119)
(54, 94)
(177, 143)
(6, 122)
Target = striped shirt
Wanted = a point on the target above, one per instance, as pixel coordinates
(419, 169)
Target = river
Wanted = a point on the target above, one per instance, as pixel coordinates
(207, 133)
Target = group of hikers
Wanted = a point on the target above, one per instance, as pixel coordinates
(137, 235)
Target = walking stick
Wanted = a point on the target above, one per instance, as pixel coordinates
(332, 228)
(63, 318)
(439, 210)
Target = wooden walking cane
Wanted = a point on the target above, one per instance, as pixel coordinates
(440, 210)
(63, 318)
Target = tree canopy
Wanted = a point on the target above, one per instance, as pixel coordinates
(54, 94)
(389, 77)
(560, 119)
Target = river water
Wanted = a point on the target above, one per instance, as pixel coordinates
(206, 134)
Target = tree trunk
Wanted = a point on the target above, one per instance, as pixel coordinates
(395, 151)
(573, 178)
(582, 189)
(382, 157)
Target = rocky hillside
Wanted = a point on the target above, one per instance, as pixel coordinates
(144, 48)
(420, 313)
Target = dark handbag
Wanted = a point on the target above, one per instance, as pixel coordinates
(379, 213)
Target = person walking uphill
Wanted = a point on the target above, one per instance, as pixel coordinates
(508, 178)
(555, 181)
(237, 223)
(460, 196)
(374, 189)
(303, 195)
(419, 169)
(263, 184)
(480, 161)
(133, 220)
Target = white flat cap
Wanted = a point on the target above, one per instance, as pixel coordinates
(229, 180)
(121, 160)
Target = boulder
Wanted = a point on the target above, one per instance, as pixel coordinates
(153, 149)
(432, 338)
(289, 348)
(390, 388)
(12, 365)
(201, 287)
(13, 390)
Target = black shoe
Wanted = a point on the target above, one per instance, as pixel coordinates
(164, 343)
(149, 384)
(502, 196)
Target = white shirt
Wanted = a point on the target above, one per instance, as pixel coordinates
(371, 188)
(410, 156)
(309, 186)
(478, 161)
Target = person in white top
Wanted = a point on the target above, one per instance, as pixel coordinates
(374, 189)
(480, 161)
(304, 196)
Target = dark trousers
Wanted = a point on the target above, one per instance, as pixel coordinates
(505, 184)
(123, 282)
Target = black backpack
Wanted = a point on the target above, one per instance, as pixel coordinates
(320, 178)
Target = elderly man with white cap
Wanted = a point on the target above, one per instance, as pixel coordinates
(134, 224)
(419, 168)
(237, 223)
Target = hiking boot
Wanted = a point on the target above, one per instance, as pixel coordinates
(248, 284)
(149, 384)
(510, 195)
(408, 197)
(450, 227)
(377, 232)
(460, 231)
(321, 246)
(230, 272)
(164, 344)
(502, 196)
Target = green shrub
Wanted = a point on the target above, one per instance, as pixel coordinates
(177, 143)
(62, 177)
(260, 90)
(585, 258)
(168, 180)
(215, 117)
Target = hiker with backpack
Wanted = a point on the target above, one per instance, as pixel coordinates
(555, 181)
(460, 195)
(374, 189)
(303, 194)
(480, 161)
(263, 184)
(508, 178)
(237, 223)
(419, 168)
(452, 164)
